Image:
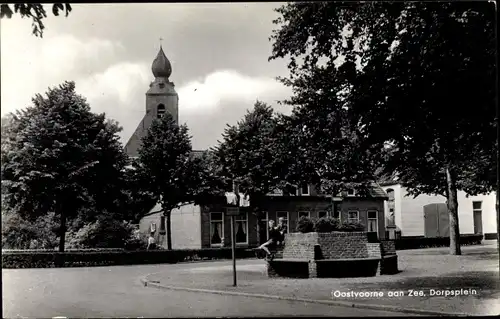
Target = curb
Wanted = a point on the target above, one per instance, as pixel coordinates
(156, 284)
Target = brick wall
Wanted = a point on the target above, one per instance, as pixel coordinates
(300, 245)
(374, 250)
(388, 247)
(334, 245)
(343, 245)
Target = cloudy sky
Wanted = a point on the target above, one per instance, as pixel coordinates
(219, 49)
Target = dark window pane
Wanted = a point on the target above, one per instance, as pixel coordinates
(216, 232)
(241, 235)
(336, 214)
(281, 214)
(372, 214)
(321, 214)
(160, 110)
(353, 215)
(305, 214)
(476, 205)
(216, 216)
(162, 222)
(305, 189)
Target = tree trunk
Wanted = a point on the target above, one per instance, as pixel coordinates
(62, 231)
(168, 214)
(258, 214)
(452, 204)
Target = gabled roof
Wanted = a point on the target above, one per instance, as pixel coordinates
(386, 179)
(376, 191)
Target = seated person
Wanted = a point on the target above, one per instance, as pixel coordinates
(151, 242)
(281, 228)
(274, 238)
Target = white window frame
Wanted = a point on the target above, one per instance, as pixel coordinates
(308, 190)
(152, 227)
(236, 220)
(323, 211)
(222, 229)
(353, 192)
(368, 219)
(349, 219)
(287, 219)
(304, 211)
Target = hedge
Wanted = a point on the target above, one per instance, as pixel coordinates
(326, 224)
(86, 258)
(18, 251)
(426, 242)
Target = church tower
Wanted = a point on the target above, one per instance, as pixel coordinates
(160, 99)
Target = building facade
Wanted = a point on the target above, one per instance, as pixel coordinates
(195, 227)
(476, 214)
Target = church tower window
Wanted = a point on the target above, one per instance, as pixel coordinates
(160, 110)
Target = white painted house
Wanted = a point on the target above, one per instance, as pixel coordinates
(476, 214)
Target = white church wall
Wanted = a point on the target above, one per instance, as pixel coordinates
(409, 211)
(186, 227)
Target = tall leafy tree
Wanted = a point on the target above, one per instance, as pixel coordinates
(60, 157)
(34, 11)
(251, 155)
(416, 77)
(168, 167)
(135, 198)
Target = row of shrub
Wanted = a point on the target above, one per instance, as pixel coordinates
(326, 225)
(51, 259)
(22, 251)
(428, 242)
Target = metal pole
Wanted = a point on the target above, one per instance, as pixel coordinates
(495, 24)
(233, 248)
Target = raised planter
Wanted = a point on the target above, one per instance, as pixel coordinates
(335, 254)
(334, 245)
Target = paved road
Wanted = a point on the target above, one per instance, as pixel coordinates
(117, 292)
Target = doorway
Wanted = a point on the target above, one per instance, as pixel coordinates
(478, 222)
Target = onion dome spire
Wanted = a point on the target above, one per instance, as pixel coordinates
(161, 66)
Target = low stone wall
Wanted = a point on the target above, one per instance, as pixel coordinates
(374, 250)
(389, 265)
(306, 269)
(300, 245)
(341, 245)
(347, 268)
(336, 254)
(336, 245)
(388, 247)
